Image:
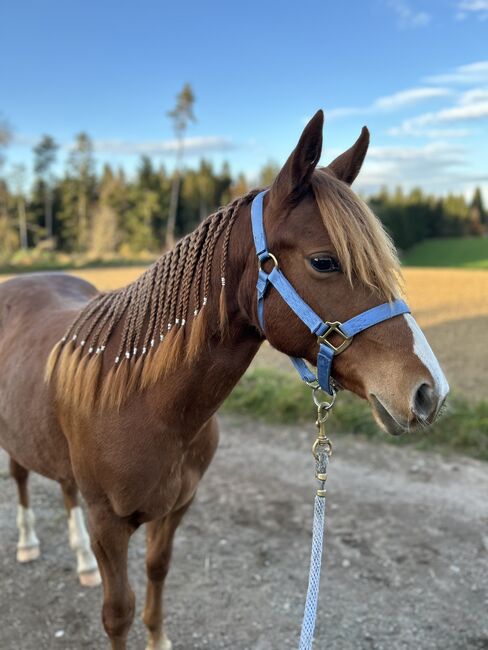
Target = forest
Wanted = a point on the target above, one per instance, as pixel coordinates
(82, 214)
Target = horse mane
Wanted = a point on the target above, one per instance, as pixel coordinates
(161, 319)
(366, 252)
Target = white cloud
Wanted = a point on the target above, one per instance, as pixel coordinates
(471, 105)
(408, 18)
(462, 113)
(408, 97)
(471, 73)
(193, 146)
(478, 8)
(407, 128)
(390, 103)
(436, 166)
(474, 96)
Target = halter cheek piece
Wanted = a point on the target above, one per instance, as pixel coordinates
(322, 330)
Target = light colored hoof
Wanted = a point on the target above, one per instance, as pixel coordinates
(90, 578)
(161, 644)
(28, 554)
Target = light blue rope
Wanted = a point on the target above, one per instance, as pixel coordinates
(310, 614)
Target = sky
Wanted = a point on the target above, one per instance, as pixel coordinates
(414, 71)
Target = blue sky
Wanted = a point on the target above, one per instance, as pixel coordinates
(416, 72)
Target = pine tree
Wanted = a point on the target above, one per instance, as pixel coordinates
(181, 115)
(44, 158)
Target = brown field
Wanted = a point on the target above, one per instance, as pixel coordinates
(451, 305)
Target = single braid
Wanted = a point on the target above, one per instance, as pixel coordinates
(187, 276)
(210, 253)
(201, 271)
(143, 305)
(169, 293)
(119, 306)
(125, 330)
(223, 316)
(176, 284)
(201, 253)
(155, 303)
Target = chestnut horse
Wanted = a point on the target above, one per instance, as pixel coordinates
(135, 376)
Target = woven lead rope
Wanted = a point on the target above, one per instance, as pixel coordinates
(310, 614)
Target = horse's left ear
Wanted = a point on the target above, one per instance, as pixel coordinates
(347, 166)
(294, 177)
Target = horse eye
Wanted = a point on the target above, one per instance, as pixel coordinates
(325, 264)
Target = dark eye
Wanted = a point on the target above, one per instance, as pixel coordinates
(324, 264)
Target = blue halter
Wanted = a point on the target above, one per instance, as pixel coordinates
(323, 330)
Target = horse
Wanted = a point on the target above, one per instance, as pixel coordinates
(115, 394)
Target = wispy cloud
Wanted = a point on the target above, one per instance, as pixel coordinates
(477, 8)
(435, 166)
(407, 17)
(394, 102)
(471, 73)
(415, 130)
(471, 106)
(193, 146)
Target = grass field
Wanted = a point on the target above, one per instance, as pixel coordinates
(466, 252)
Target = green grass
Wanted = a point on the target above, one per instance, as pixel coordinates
(277, 397)
(465, 252)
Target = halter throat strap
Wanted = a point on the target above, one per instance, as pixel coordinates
(320, 328)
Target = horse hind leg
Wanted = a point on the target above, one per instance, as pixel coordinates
(28, 547)
(79, 539)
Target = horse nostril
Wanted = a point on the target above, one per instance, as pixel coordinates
(424, 402)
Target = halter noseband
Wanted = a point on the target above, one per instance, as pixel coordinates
(323, 330)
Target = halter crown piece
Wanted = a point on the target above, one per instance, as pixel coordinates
(322, 329)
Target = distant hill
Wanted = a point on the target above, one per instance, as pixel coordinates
(462, 252)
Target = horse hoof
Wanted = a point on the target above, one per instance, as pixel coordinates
(90, 578)
(161, 644)
(28, 554)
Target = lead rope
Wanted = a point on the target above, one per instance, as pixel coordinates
(322, 451)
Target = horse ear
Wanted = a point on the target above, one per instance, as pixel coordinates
(347, 166)
(294, 177)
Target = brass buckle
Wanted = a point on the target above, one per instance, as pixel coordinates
(331, 328)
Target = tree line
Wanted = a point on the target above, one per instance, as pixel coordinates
(111, 215)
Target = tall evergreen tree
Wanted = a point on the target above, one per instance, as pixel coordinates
(44, 157)
(5, 137)
(181, 116)
(81, 165)
(478, 208)
(18, 174)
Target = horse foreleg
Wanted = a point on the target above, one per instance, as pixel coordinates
(79, 539)
(110, 540)
(160, 535)
(28, 547)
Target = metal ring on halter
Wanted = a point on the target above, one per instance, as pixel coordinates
(268, 256)
(326, 405)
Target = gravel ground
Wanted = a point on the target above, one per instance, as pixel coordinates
(405, 555)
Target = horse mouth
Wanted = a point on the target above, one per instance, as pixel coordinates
(386, 420)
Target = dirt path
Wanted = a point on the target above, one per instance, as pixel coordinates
(405, 562)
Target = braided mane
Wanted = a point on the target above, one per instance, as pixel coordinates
(161, 319)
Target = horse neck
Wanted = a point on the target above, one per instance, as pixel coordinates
(223, 359)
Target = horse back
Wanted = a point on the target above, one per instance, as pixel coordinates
(35, 311)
